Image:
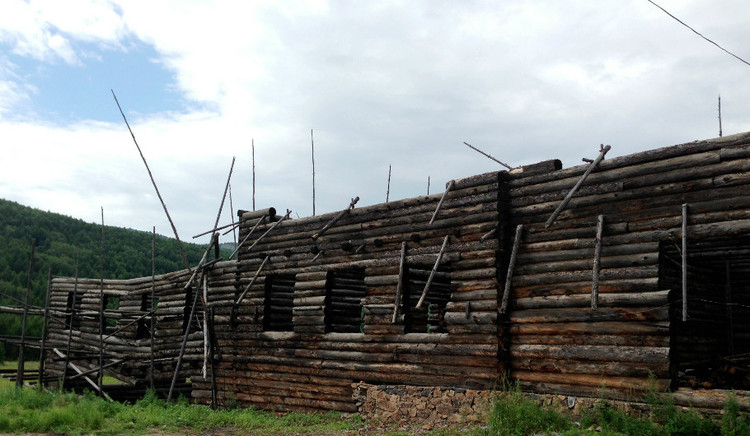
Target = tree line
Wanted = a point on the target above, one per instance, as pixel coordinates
(61, 243)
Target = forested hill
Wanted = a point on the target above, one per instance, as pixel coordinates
(59, 240)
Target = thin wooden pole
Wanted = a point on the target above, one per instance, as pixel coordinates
(153, 182)
(288, 212)
(487, 155)
(252, 144)
(257, 223)
(388, 189)
(212, 362)
(312, 147)
(182, 347)
(511, 266)
(336, 218)
(21, 361)
(428, 185)
(448, 187)
(719, 115)
(255, 277)
(231, 212)
(572, 192)
(432, 273)
(684, 262)
(488, 235)
(728, 305)
(100, 374)
(45, 327)
(597, 262)
(400, 287)
(70, 364)
(70, 325)
(205, 326)
(153, 309)
(224, 197)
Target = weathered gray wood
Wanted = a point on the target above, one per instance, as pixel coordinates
(572, 192)
(401, 278)
(442, 200)
(511, 266)
(255, 277)
(597, 262)
(432, 273)
(336, 218)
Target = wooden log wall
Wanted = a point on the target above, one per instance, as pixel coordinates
(126, 340)
(354, 265)
(559, 344)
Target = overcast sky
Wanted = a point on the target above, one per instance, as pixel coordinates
(399, 83)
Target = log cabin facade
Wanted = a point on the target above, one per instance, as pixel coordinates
(457, 289)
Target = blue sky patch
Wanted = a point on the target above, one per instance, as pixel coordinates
(70, 93)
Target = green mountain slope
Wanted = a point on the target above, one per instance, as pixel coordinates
(59, 241)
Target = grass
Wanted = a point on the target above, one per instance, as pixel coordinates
(514, 414)
(28, 410)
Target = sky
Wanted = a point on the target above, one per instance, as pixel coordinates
(380, 83)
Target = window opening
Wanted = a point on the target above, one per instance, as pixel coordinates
(345, 290)
(72, 322)
(428, 319)
(142, 331)
(710, 349)
(279, 302)
(110, 303)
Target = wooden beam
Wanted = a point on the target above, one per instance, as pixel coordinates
(336, 218)
(575, 188)
(400, 287)
(45, 329)
(21, 362)
(432, 273)
(448, 187)
(511, 266)
(255, 277)
(597, 262)
(70, 364)
(684, 262)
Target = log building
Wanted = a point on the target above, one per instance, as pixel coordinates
(587, 281)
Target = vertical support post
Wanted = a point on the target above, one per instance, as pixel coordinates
(684, 262)
(21, 361)
(70, 326)
(728, 304)
(212, 362)
(153, 309)
(401, 277)
(511, 266)
(597, 262)
(100, 373)
(252, 144)
(45, 324)
(184, 344)
(205, 326)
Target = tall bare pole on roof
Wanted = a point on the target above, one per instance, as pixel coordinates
(487, 155)
(719, 115)
(153, 182)
(388, 190)
(231, 212)
(224, 197)
(252, 144)
(312, 147)
(100, 373)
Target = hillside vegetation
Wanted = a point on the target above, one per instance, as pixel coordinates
(59, 241)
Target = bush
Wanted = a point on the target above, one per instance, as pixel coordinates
(733, 421)
(515, 415)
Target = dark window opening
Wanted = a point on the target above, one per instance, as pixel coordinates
(73, 322)
(196, 324)
(110, 303)
(711, 349)
(144, 324)
(429, 318)
(345, 290)
(279, 302)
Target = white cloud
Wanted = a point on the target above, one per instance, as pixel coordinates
(401, 83)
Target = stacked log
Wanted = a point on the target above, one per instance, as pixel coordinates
(560, 343)
(345, 284)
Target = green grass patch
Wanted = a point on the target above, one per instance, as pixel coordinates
(28, 410)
